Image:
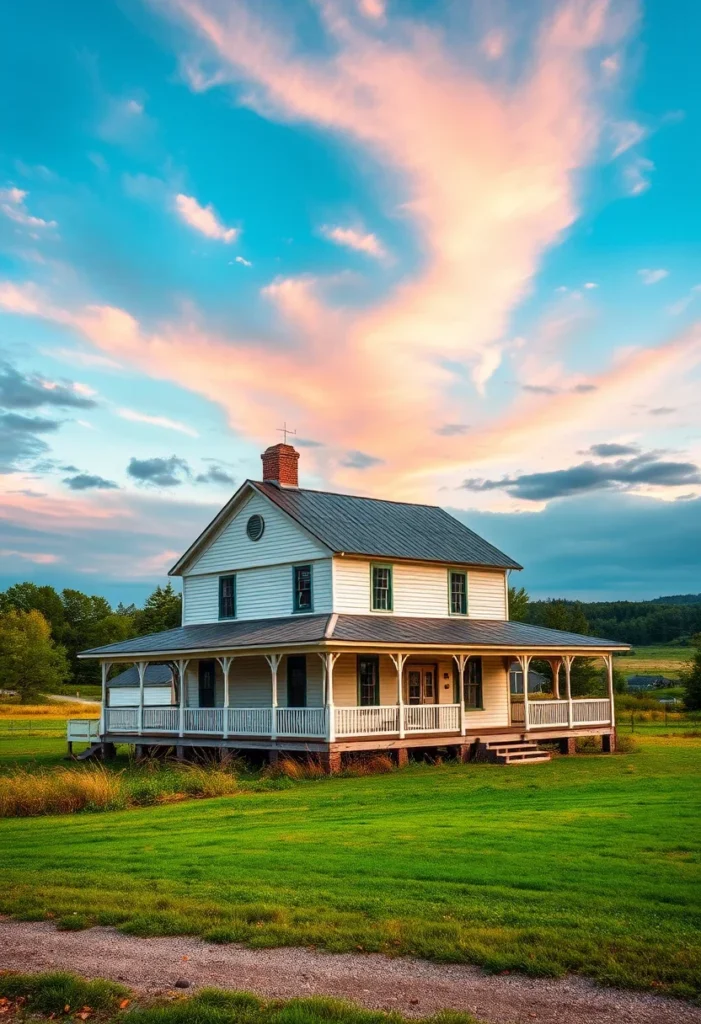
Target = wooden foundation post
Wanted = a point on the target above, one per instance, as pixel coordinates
(331, 761)
(568, 745)
(180, 753)
(608, 743)
(402, 757)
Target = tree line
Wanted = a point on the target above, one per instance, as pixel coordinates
(42, 630)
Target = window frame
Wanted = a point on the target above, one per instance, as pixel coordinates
(390, 590)
(477, 663)
(232, 577)
(296, 610)
(457, 572)
(375, 659)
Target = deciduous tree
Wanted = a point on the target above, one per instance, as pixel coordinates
(30, 661)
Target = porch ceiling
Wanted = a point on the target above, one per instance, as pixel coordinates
(356, 631)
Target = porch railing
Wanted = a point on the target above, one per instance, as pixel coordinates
(432, 717)
(250, 721)
(122, 719)
(543, 714)
(367, 721)
(301, 721)
(163, 719)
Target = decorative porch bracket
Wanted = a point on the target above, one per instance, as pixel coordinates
(141, 667)
(524, 661)
(461, 661)
(105, 667)
(273, 661)
(399, 660)
(555, 664)
(328, 660)
(182, 664)
(568, 661)
(225, 663)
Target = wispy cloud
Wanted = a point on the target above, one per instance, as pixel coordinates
(37, 557)
(203, 219)
(12, 205)
(625, 135)
(648, 276)
(157, 421)
(354, 238)
(636, 175)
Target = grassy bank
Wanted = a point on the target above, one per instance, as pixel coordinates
(61, 995)
(587, 864)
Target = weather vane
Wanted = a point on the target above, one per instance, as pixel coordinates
(285, 430)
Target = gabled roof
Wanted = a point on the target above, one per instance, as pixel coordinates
(359, 629)
(385, 529)
(156, 675)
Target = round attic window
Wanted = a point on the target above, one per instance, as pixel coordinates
(255, 527)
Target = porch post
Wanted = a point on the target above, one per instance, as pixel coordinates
(608, 661)
(141, 669)
(461, 660)
(555, 664)
(105, 667)
(273, 661)
(399, 660)
(182, 668)
(568, 659)
(524, 661)
(329, 660)
(225, 663)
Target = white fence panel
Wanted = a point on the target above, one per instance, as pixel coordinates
(83, 730)
(206, 720)
(432, 717)
(367, 720)
(591, 712)
(166, 719)
(250, 721)
(547, 712)
(301, 721)
(122, 719)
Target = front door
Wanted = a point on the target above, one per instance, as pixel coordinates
(297, 681)
(421, 684)
(207, 684)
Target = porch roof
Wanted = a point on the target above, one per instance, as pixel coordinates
(354, 630)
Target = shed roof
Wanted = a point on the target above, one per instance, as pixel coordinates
(157, 674)
(385, 529)
(356, 629)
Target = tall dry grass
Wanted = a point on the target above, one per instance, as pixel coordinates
(24, 792)
(57, 710)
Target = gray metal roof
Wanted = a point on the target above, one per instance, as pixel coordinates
(385, 529)
(157, 674)
(370, 629)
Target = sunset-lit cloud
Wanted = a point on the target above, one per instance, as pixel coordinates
(203, 219)
(361, 241)
(156, 421)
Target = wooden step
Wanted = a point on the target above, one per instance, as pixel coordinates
(542, 758)
(517, 752)
(92, 751)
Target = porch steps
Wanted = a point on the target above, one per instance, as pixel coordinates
(516, 752)
(92, 751)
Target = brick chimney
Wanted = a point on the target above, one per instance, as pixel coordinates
(280, 465)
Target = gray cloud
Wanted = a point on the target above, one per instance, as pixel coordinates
(159, 472)
(540, 389)
(307, 442)
(19, 440)
(662, 410)
(607, 450)
(452, 429)
(583, 389)
(359, 460)
(590, 476)
(89, 482)
(20, 391)
(215, 475)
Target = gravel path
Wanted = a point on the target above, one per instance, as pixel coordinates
(413, 987)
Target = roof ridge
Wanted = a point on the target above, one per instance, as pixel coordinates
(343, 494)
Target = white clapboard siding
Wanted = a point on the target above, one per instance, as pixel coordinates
(283, 541)
(495, 698)
(250, 683)
(418, 590)
(128, 696)
(486, 595)
(262, 593)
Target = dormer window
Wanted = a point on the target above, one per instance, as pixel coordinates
(227, 597)
(381, 588)
(302, 582)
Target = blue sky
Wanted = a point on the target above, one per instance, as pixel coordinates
(455, 246)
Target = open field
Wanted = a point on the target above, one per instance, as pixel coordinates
(587, 864)
(650, 661)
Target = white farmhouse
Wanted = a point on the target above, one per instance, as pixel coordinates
(326, 623)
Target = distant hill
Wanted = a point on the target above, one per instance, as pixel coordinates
(661, 620)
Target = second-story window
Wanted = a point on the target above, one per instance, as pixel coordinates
(458, 593)
(302, 575)
(227, 597)
(382, 588)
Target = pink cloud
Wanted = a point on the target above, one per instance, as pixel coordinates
(203, 219)
(361, 241)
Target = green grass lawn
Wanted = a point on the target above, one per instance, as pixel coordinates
(587, 864)
(650, 661)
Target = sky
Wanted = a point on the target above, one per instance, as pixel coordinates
(454, 245)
